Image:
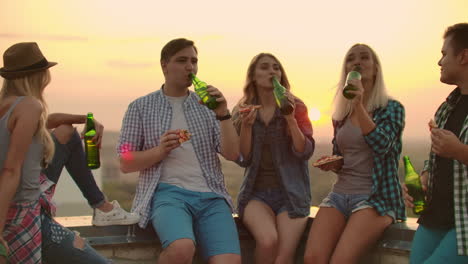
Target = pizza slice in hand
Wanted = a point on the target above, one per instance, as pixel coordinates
(184, 135)
(245, 109)
(326, 160)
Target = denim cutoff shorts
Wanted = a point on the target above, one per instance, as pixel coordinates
(349, 203)
(273, 197)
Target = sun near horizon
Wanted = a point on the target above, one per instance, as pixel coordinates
(108, 51)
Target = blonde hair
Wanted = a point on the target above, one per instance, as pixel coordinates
(33, 85)
(378, 97)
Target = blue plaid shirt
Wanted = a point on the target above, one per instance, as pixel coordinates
(460, 174)
(147, 119)
(385, 142)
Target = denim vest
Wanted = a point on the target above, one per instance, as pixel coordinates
(290, 165)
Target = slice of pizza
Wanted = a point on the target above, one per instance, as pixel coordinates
(184, 135)
(327, 159)
(432, 124)
(245, 109)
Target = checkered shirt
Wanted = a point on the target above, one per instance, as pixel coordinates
(147, 119)
(460, 177)
(385, 142)
(22, 229)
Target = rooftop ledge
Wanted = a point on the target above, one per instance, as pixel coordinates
(131, 244)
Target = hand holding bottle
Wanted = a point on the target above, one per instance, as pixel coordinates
(284, 99)
(290, 99)
(221, 108)
(414, 188)
(4, 250)
(408, 199)
(355, 74)
(201, 88)
(91, 147)
(99, 132)
(357, 92)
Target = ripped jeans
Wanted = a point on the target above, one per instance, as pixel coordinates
(58, 246)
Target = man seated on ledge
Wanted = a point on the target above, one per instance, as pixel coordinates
(181, 187)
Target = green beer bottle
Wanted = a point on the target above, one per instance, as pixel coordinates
(3, 252)
(355, 74)
(91, 149)
(282, 101)
(200, 89)
(413, 183)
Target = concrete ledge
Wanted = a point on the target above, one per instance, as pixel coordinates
(131, 244)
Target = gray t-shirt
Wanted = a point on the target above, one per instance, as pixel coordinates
(355, 177)
(28, 189)
(181, 167)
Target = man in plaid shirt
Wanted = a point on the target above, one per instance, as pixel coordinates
(442, 235)
(181, 188)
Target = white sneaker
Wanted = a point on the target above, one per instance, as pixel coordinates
(117, 216)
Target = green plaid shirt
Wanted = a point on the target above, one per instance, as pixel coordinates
(385, 142)
(460, 171)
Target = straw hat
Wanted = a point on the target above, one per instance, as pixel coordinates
(23, 59)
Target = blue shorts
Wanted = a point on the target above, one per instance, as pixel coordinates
(349, 203)
(203, 217)
(274, 198)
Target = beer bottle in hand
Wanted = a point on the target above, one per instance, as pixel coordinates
(200, 88)
(413, 183)
(282, 101)
(3, 252)
(355, 74)
(91, 149)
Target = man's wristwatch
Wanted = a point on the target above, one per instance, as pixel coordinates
(225, 117)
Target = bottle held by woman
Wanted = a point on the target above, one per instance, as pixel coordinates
(285, 106)
(91, 148)
(355, 74)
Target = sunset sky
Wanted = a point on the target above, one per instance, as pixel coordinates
(108, 51)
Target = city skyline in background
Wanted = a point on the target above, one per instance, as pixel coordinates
(108, 51)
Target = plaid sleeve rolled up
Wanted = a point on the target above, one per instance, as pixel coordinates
(389, 127)
(386, 144)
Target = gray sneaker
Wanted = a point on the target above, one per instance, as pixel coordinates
(117, 216)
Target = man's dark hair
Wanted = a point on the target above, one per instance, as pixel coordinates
(174, 46)
(459, 34)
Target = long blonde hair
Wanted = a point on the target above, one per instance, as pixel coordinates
(378, 97)
(33, 85)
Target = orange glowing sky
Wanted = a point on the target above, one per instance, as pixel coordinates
(108, 51)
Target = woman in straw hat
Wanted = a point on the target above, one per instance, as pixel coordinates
(28, 232)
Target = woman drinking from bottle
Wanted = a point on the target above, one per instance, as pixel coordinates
(27, 230)
(366, 197)
(274, 200)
